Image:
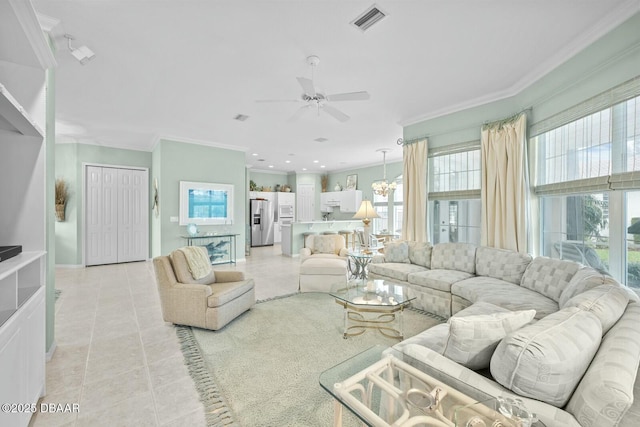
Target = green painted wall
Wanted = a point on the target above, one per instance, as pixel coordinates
(366, 176)
(180, 161)
(69, 164)
(611, 60)
(265, 179)
(50, 237)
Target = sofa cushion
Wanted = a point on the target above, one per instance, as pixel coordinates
(395, 270)
(396, 252)
(454, 256)
(607, 302)
(324, 244)
(325, 266)
(473, 339)
(585, 278)
(437, 279)
(504, 294)
(549, 277)
(546, 360)
(501, 264)
(420, 253)
(182, 272)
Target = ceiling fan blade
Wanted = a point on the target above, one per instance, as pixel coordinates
(307, 86)
(277, 100)
(298, 113)
(351, 96)
(335, 113)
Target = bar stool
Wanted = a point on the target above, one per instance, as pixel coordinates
(348, 234)
(304, 237)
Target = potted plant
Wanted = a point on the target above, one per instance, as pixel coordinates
(62, 195)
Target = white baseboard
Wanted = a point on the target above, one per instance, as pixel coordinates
(69, 266)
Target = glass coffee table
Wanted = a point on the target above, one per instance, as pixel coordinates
(383, 387)
(372, 304)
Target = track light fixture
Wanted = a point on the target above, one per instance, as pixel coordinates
(83, 54)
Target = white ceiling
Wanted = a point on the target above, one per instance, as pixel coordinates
(185, 69)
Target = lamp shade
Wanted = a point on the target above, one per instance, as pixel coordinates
(366, 211)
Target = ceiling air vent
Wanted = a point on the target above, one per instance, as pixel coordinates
(321, 139)
(369, 17)
(241, 117)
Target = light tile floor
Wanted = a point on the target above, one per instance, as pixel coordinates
(115, 355)
(122, 363)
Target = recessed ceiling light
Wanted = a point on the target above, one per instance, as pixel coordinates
(322, 166)
(316, 161)
(304, 169)
(287, 161)
(270, 166)
(254, 154)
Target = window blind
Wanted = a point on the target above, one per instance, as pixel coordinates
(620, 93)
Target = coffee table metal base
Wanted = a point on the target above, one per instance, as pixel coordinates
(355, 323)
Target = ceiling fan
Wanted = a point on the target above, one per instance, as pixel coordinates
(317, 100)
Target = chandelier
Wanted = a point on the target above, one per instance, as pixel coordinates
(382, 187)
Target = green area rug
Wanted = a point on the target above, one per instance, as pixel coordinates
(262, 369)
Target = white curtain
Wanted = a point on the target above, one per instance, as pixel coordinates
(504, 184)
(414, 182)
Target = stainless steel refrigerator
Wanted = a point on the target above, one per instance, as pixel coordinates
(261, 223)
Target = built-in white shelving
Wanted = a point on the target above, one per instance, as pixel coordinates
(14, 118)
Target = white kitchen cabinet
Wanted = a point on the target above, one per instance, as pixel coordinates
(347, 201)
(330, 200)
(350, 200)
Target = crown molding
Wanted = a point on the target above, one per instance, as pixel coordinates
(156, 140)
(30, 25)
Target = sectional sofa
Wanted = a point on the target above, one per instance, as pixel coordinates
(562, 337)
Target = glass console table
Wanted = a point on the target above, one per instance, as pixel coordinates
(221, 247)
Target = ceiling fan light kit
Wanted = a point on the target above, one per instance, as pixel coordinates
(318, 100)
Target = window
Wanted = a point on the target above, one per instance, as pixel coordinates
(454, 195)
(586, 172)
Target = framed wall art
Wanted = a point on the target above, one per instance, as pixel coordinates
(352, 182)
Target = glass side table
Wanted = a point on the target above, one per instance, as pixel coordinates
(357, 264)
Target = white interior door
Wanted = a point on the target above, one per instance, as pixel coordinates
(116, 215)
(132, 215)
(306, 201)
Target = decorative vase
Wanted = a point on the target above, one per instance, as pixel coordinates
(60, 212)
(337, 187)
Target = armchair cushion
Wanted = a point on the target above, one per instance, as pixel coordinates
(224, 292)
(324, 244)
(183, 274)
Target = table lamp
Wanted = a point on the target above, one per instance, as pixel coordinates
(365, 213)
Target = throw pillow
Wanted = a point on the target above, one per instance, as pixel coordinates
(473, 339)
(396, 252)
(324, 244)
(607, 302)
(547, 359)
(182, 272)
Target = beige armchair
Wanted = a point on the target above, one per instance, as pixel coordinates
(323, 262)
(208, 303)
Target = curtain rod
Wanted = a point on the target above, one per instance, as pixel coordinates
(402, 141)
(499, 123)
